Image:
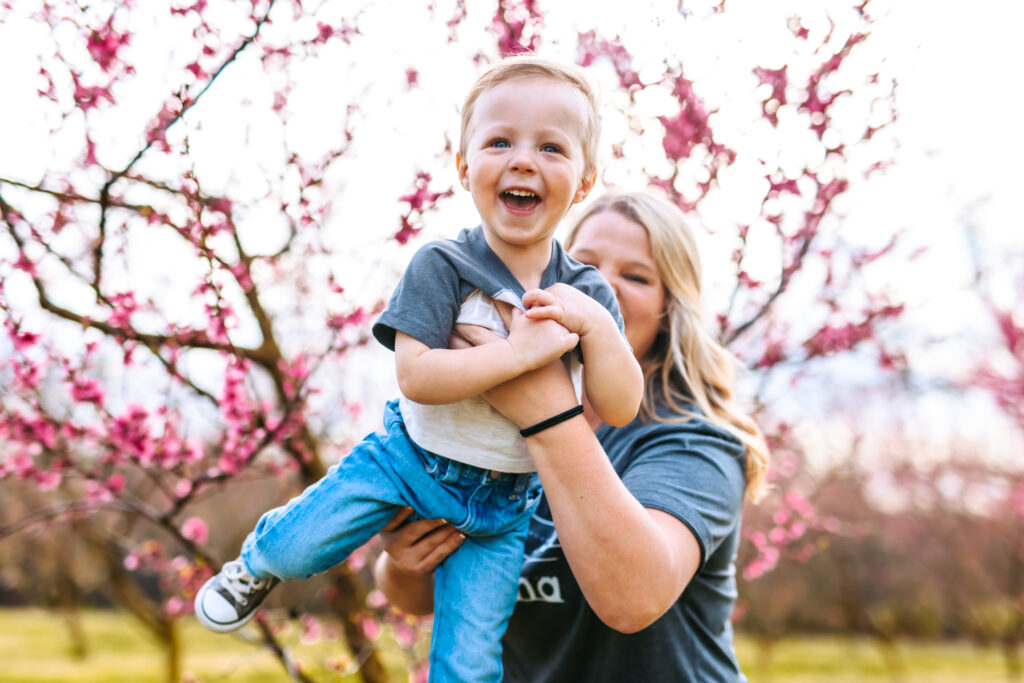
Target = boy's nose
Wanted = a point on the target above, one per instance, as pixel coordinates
(523, 163)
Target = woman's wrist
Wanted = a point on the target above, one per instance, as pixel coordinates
(552, 421)
(407, 591)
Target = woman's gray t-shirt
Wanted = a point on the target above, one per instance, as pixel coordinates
(693, 471)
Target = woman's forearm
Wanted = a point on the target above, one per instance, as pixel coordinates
(411, 593)
(630, 562)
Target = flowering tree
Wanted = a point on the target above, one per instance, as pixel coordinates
(1000, 375)
(187, 273)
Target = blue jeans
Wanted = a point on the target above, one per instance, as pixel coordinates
(475, 588)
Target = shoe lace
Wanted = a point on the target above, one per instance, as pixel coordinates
(241, 583)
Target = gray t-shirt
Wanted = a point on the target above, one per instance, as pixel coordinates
(693, 471)
(443, 285)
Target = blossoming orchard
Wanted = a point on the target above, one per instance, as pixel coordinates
(220, 196)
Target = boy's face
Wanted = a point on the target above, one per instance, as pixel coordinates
(524, 160)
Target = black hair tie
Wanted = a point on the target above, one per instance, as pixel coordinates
(552, 421)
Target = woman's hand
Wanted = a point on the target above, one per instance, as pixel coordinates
(418, 547)
(412, 551)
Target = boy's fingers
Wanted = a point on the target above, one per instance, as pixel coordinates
(549, 312)
(538, 297)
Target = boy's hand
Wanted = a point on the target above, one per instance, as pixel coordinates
(535, 343)
(564, 304)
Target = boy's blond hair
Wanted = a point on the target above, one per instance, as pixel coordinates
(531, 66)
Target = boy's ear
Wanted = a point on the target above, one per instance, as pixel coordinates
(463, 169)
(586, 185)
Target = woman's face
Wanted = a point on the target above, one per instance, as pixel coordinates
(621, 250)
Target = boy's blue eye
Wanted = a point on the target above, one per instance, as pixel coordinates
(554, 149)
(499, 143)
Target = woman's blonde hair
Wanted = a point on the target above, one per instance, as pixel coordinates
(685, 362)
(528, 65)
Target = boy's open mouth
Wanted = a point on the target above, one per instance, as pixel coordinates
(520, 200)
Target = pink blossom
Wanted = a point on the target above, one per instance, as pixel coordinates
(342, 320)
(513, 20)
(591, 48)
(182, 488)
(376, 599)
(372, 628)
(421, 196)
(129, 434)
(222, 318)
(175, 607)
(312, 630)
(22, 339)
(104, 44)
(198, 7)
(421, 674)
(86, 390)
(799, 504)
(23, 263)
(116, 483)
(122, 306)
(197, 71)
(96, 493)
(407, 232)
(774, 352)
(358, 559)
(777, 187)
(27, 374)
(47, 480)
(241, 272)
(681, 134)
(194, 529)
(404, 634)
(88, 97)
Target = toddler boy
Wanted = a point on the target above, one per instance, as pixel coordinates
(527, 153)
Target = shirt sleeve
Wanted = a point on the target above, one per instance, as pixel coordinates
(425, 303)
(695, 474)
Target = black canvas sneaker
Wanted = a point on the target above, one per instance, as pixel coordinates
(230, 599)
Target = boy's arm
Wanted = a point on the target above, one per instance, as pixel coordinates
(435, 376)
(612, 377)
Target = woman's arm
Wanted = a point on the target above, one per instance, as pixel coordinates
(632, 563)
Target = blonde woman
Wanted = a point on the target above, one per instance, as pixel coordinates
(629, 567)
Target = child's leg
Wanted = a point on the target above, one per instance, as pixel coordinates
(320, 527)
(475, 592)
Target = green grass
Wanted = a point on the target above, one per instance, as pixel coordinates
(36, 647)
(834, 659)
